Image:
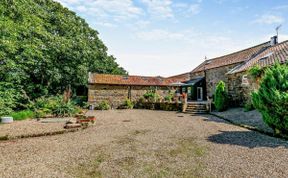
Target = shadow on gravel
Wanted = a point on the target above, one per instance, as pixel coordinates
(248, 139)
(214, 119)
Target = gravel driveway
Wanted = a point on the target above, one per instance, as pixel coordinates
(143, 143)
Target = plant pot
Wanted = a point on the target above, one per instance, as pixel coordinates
(7, 120)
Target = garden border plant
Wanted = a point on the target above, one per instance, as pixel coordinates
(271, 100)
(220, 97)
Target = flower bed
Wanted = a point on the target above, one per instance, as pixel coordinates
(165, 106)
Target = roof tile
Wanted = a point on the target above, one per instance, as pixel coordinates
(233, 58)
(266, 58)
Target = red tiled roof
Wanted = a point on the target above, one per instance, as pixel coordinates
(180, 77)
(229, 59)
(131, 80)
(268, 57)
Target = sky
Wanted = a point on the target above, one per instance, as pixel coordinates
(170, 37)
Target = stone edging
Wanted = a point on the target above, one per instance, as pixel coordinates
(7, 137)
(251, 128)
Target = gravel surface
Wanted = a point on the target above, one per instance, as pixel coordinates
(143, 143)
(31, 127)
(250, 118)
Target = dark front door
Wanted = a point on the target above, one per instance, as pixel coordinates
(199, 93)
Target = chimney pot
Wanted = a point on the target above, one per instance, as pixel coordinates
(274, 40)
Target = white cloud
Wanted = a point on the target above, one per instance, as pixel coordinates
(105, 11)
(269, 19)
(159, 34)
(187, 9)
(159, 8)
(214, 43)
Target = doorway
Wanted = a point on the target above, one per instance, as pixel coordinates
(199, 94)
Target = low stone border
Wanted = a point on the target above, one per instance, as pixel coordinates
(7, 137)
(251, 128)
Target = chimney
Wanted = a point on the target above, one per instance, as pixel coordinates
(274, 40)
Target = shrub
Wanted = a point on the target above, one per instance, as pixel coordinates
(256, 71)
(80, 101)
(53, 105)
(8, 98)
(152, 96)
(141, 99)
(63, 108)
(22, 115)
(39, 113)
(104, 105)
(221, 97)
(128, 104)
(272, 98)
(248, 106)
(169, 97)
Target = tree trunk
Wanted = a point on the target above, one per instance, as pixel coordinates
(67, 94)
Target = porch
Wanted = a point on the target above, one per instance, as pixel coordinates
(194, 88)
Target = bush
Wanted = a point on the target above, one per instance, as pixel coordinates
(271, 100)
(39, 113)
(8, 98)
(53, 105)
(80, 101)
(169, 97)
(256, 71)
(103, 105)
(221, 97)
(152, 96)
(63, 108)
(22, 115)
(248, 106)
(128, 104)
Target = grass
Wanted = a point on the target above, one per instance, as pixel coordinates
(91, 169)
(22, 115)
(188, 147)
(180, 158)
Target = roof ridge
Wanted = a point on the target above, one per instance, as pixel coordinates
(250, 62)
(123, 75)
(285, 41)
(177, 75)
(239, 51)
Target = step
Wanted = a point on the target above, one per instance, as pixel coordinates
(196, 106)
(196, 112)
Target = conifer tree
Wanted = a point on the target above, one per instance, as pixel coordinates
(272, 98)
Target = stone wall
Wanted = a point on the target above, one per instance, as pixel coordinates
(240, 86)
(116, 95)
(197, 74)
(213, 76)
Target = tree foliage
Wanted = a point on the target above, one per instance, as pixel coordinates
(272, 98)
(45, 47)
(8, 98)
(220, 97)
(256, 71)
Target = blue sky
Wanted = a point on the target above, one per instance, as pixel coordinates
(168, 37)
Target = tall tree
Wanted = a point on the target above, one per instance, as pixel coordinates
(45, 47)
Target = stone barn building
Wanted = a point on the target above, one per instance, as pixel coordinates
(201, 82)
(116, 88)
